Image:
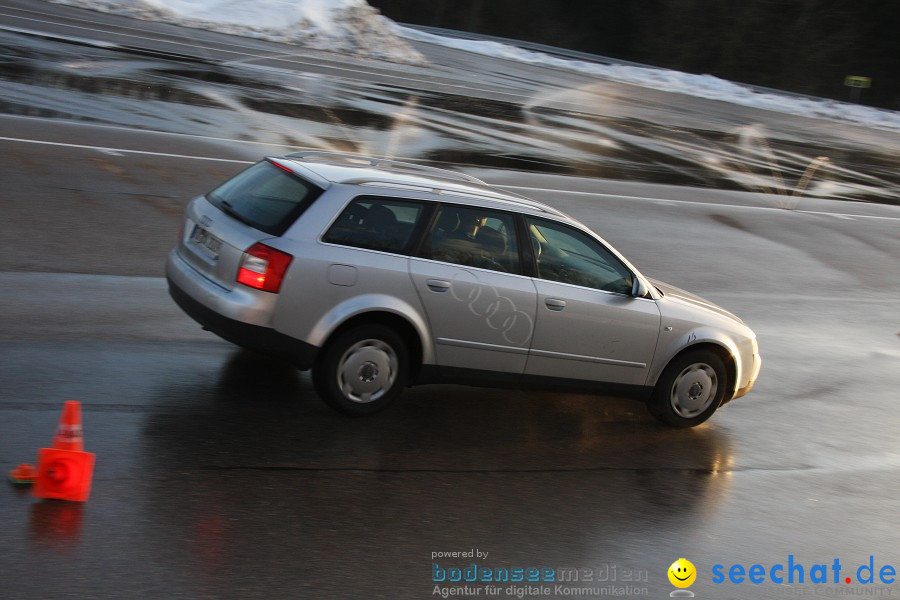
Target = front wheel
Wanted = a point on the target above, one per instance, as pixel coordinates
(362, 370)
(690, 389)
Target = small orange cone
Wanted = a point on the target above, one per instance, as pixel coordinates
(64, 472)
(24, 474)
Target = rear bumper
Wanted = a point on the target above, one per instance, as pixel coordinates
(196, 296)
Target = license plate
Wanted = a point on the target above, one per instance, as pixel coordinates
(206, 241)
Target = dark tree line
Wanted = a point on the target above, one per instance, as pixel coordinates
(806, 46)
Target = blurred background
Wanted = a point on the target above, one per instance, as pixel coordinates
(805, 46)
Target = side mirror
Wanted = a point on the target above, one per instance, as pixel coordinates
(639, 289)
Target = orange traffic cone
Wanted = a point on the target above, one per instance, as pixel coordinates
(64, 471)
(69, 435)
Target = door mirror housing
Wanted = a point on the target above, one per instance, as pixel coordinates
(639, 289)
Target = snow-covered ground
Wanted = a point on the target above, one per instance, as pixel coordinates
(355, 27)
(349, 26)
(703, 86)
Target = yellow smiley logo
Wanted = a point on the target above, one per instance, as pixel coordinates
(682, 573)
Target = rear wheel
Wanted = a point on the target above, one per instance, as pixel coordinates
(362, 370)
(690, 389)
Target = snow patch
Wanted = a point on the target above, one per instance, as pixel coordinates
(348, 26)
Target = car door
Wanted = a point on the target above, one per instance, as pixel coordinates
(479, 305)
(587, 326)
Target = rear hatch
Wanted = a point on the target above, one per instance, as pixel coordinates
(257, 204)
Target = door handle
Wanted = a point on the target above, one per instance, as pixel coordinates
(438, 285)
(555, 304)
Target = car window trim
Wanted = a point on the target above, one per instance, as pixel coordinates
(526, 252)
(515, 217)
(420, 231)
(411, 243)
(590, 235)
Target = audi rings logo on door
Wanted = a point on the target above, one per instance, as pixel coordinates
(499, 312)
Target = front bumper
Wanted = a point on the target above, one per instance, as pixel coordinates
(754, 374)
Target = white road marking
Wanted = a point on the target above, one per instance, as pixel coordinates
(107, 150)
(97, 43)
(714, 204)
(165, 133)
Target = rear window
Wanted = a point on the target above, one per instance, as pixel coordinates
(265, 196)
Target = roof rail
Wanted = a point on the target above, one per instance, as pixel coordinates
(493, 194)
(384, 163)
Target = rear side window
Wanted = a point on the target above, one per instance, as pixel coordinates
(473, 237)
(375, 223)
(265, 196)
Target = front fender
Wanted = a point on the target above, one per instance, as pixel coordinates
(680, 342)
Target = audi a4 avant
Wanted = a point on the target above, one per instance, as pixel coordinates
(378, 275)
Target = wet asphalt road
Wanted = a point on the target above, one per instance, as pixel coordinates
(220, 474)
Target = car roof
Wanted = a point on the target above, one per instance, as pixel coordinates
(351, 169)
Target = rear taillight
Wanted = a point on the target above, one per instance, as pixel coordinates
(263, 268)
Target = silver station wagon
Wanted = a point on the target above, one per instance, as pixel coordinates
(379, 275)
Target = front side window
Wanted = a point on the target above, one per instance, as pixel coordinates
(265, 196)
(567, 255)
(376, 223)
(473, 237)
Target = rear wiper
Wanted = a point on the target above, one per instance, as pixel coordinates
(229, 210)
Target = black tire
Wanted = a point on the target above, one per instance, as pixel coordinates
(362, 370)
(690, 389)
